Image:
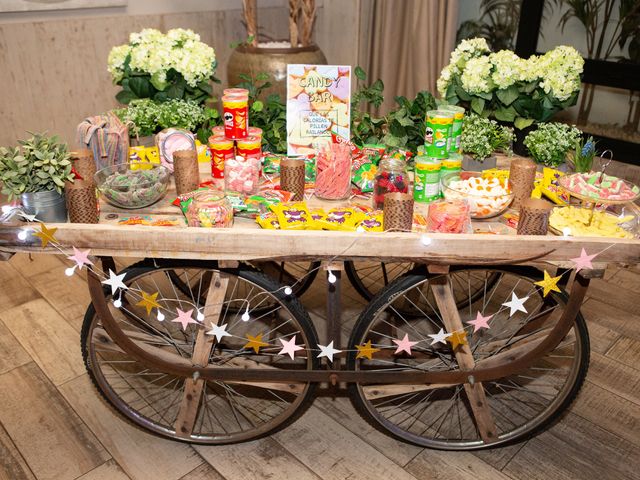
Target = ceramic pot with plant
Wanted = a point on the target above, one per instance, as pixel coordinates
(252, 58)
(35, 172)
(481, 138)
(550, 143)
(583, 155)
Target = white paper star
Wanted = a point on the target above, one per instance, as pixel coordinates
(516, 304)
(219, 331)
(289, 347)
(328, 351)
(26, 216)
(440, 337)
(115, 281)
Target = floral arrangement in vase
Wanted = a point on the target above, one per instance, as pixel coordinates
(583, 155)
(550, 143)
(175, 65)
(508, 88)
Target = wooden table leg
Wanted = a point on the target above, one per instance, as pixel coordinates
(441, 287)
(201, 351)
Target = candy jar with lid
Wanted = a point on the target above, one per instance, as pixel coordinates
(210, 209)
(390, 177)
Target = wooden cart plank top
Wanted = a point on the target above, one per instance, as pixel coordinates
(247, 241)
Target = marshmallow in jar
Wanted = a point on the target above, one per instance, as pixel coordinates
(241, 174)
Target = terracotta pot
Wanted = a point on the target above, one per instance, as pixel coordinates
(273, 62)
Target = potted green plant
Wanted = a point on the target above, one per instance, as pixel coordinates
(481, 138)
(550, 143)
(175, 65)
(583, 155)
(35, 172)
(508, 88)
(271, 57)
(146, 117)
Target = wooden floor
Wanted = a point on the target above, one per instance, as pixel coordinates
(53, 425)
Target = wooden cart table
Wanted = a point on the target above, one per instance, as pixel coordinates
(199, 344)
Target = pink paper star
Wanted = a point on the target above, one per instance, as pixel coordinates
(480, 322)
(404, 345)
(184, 318)
(80, 257)
(289, 347)
(584, 261)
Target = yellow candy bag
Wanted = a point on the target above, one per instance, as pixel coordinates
(268, 221)
(317, 216)
(341, 219)
(293, 216)
(550, 188)
(372, 222)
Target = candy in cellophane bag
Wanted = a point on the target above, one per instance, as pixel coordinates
(449, 216)
(293, 216)
(317, 216)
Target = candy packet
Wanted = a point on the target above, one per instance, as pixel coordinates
(292, 216)
(268, 220)
(341, 219)
(364, 177)
(372, 222)
(551, 189)
(318, 215)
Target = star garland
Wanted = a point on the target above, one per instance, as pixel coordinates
(403, 345)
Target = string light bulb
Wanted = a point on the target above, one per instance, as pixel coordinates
(245, 316)
(70, 271)
(160, 316)
(22, 234)
(425, 240)
(6, 208)
(287, 290)
(117, 303)
(566, 232)
(200, 316)
(331, 278)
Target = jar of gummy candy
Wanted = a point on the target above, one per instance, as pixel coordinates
(210, 209)
(390, 177)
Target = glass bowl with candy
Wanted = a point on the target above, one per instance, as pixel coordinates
(487, 197)
(132, 186)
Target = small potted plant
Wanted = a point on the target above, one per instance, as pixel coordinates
(550, 143)
(481, 138)
(583, 154)
(35, 172)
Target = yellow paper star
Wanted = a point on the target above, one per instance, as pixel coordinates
(548, 284)
(457, 338)
(46, 234)
(149, 302)
(366, 350)
(255, 342)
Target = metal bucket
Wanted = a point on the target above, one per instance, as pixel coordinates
(46, 206)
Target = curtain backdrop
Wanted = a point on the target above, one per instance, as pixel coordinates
(411, 41)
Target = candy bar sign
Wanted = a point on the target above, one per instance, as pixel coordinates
(318, 103)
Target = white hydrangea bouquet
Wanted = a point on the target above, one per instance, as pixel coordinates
(175, 65)
(508, 88)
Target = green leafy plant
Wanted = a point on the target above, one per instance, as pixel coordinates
(40, 164)
(583, 154)
(498, 24)
(175, 65)
(270, 114)
(146, 117)
(481, 137)
(509, 88)
(402, 127)
(550, 142)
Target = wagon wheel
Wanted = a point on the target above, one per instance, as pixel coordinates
(441, 415)
(223, 412)
(299, 275)
(369, 277)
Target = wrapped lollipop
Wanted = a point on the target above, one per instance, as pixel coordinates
(170, 140)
